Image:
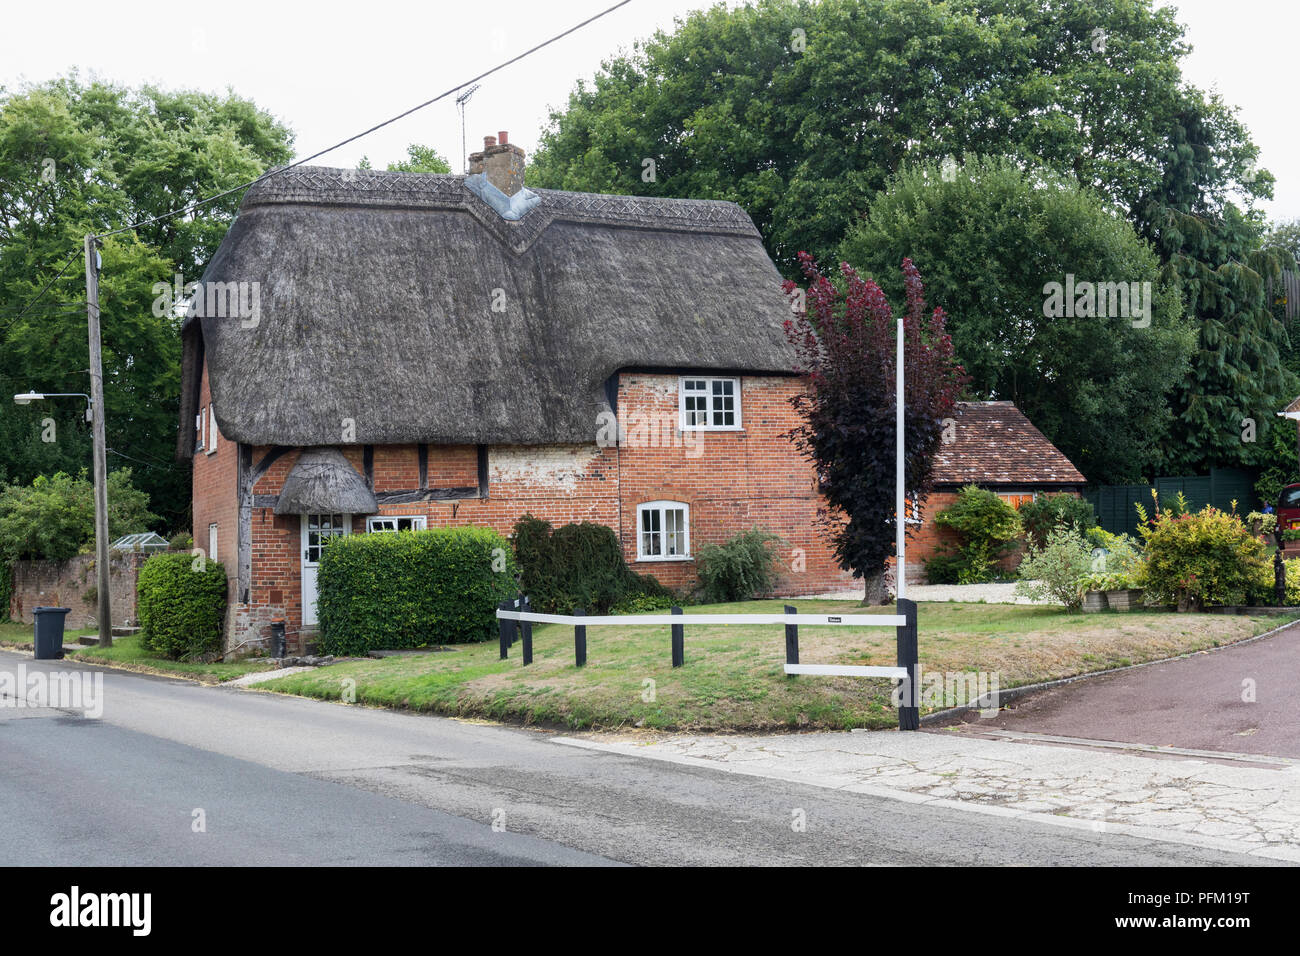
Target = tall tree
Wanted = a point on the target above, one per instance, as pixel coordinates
(990, 237)
(81, 157)
(845, 340)
(419, 159)
(1215, 255)
(801, 111)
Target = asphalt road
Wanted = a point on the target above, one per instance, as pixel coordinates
(1240, 699)
(283, 780)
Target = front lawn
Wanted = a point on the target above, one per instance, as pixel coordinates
(733, 677)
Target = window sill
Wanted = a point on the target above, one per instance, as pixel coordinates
(671, 557)
(711, 428)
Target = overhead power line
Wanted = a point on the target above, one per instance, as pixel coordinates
(329, 149)
(40, 295)
(378, 126)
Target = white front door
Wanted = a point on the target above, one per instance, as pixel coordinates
(317, 530)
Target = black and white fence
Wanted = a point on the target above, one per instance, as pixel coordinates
(517, 619)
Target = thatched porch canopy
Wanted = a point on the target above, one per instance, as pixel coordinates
(405, 305)
(323, 481)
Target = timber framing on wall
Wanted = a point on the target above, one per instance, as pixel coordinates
(249, 475)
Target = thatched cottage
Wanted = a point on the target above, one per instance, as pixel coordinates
(395, 350)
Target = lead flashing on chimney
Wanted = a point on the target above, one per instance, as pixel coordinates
(511, 208)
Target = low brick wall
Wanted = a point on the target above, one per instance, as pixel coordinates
(72, 584)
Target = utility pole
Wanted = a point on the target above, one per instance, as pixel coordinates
(100, 455)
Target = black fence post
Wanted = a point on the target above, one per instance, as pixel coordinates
(527, 628)
(519, 606)
(504, 629)
(579, 638)
(791, 639)
(909, 711)
(679, 641)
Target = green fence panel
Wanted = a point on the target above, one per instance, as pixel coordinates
(1114, 504)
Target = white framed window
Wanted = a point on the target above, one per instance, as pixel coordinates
(211, 445)
(386, 523)
(212, 542)
(709, 404)
(199, 421)
(663, 531)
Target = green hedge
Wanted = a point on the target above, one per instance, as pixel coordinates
(182, 604)
(412, 588)
(577, 565)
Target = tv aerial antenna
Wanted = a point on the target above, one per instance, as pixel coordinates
(460, 105)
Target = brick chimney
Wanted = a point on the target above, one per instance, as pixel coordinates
(501, 162)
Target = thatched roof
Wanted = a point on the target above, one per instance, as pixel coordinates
(323, 481)
(995, 444)
(376, 306)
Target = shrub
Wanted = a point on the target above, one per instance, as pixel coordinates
(1057, 570)
(740, 568)
(54, 518)
(182, 605)
(181, 542)
(1047, 512)
(988, 527)
(944, 566)
(1260, 590)
(576, 565)
(412, 588)
(1209, 557)
(1118, 567)
(641, 603)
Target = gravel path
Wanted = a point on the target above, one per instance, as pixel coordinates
(256, 677)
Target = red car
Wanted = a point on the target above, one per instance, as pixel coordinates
(1288, 508)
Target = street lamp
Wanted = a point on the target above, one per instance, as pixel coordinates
(105, 615)
(26, 398)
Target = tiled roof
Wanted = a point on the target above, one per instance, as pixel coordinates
(994, 443)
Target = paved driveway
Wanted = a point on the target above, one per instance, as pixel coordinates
(1244, 699)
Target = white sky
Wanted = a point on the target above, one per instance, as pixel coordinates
(332, 69)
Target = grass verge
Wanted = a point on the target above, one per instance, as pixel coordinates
(127, 654)
(733, 678)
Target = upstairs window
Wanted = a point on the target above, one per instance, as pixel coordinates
(663, 531)
(709, 404)
(210, 446)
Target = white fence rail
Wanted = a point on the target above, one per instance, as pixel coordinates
(518, 616)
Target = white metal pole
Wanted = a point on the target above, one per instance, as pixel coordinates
(900, 522)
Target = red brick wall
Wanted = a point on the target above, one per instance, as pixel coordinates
(732, 480)
(72, 583)
(215, 496)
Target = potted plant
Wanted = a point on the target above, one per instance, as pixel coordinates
(1093, 587)
(1262, 523)
(1122, 594)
